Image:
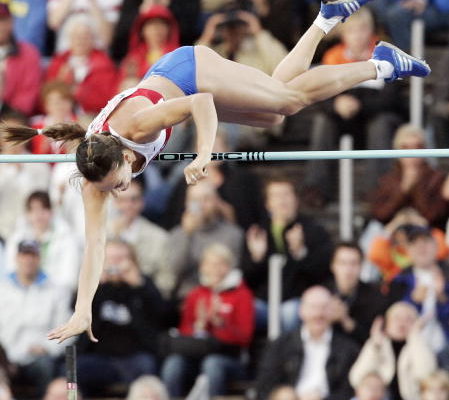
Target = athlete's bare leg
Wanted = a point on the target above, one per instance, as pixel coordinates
(257, 119)
(326, 81)
(241, 88)
(300, 57)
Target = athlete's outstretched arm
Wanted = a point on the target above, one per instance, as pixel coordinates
(202, 108)
(95, 209)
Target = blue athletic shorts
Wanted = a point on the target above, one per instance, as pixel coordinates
(179, 67)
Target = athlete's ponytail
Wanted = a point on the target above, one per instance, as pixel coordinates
(65, 132)
(96, 155)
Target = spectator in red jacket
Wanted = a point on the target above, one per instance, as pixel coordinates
(155, 33)
(86, 68)
(21, 74)
(220, 309)
(58, 104)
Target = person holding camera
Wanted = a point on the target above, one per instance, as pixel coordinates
(126, 310)
(238, 35)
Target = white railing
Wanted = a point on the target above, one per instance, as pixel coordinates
(417, 84)
(346, 191)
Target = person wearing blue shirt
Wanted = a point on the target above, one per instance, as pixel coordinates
(397, 17)
(30, 21)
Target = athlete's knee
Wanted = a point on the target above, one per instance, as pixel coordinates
(270, 120)
(294, 103)
(277, 120)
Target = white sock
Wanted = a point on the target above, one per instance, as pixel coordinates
(326, 24)
(384, 68)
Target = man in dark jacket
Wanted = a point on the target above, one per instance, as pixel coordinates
(305, 244)
(355, 304)
(125, 314)
(314, 359)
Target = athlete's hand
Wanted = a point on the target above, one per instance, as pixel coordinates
(77, 324)
(196, 170)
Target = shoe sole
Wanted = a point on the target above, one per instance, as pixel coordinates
(403, 53)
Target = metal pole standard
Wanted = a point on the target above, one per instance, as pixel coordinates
(346, 189)
(417, 84)
(260, 156)
(275, 264)
(70, 365)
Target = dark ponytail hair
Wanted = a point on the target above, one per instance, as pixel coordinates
(64, 132)
(96, 155)
(99, 154)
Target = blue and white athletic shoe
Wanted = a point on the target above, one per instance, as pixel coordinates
(340, 8)
(403, 63)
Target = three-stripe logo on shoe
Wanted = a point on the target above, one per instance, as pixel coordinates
(405, 63)
(352, 7)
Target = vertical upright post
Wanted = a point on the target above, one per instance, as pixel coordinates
(346, 189)
(70, 365)
(275, 264)
(417, 84)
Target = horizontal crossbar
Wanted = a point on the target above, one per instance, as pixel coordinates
(251, 155)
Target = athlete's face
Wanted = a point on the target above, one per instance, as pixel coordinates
(118, 179)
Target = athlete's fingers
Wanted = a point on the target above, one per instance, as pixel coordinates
(62, 338)
(91, 335)
(67, 333)
(65, 336)
(61, 331)
(56, 336)
(55, 333)
(52, 336)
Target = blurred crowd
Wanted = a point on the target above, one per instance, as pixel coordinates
(182, 305)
